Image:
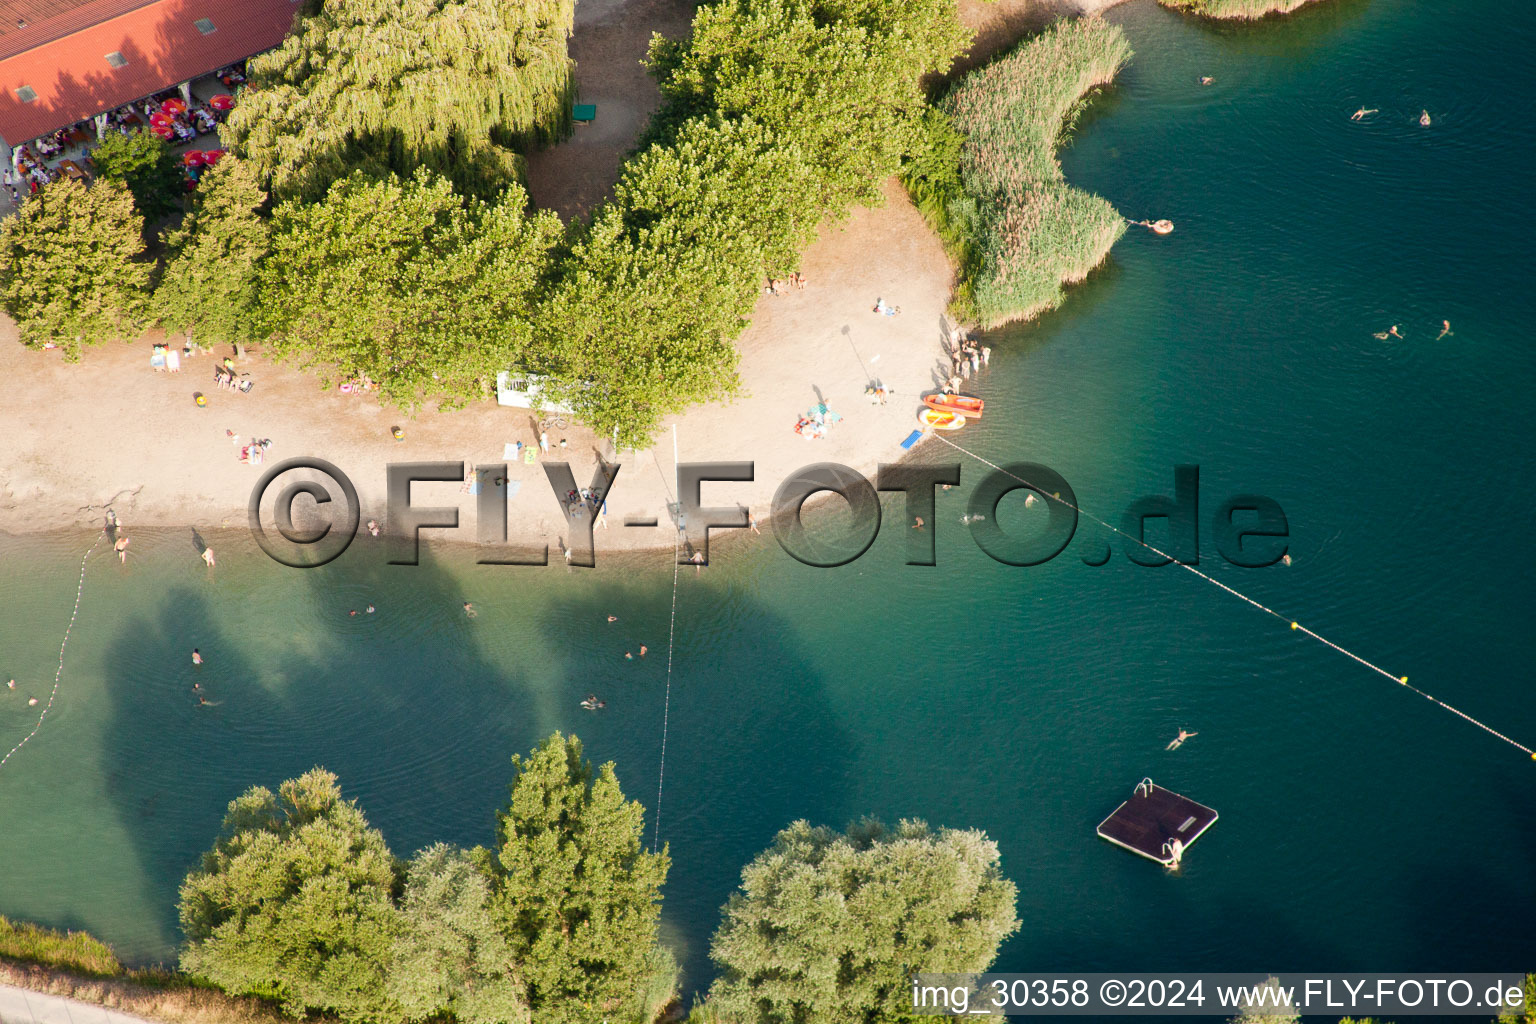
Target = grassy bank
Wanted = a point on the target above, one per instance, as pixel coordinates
(1016, 229)
(77, 965)
(1235, 9)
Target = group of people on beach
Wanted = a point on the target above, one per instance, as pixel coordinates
(966, 357)
(782, 285)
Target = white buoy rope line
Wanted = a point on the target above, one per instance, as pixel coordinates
(1298, 627)
(58, 675)
(666, 702)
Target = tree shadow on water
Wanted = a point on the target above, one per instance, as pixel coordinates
(417, 708)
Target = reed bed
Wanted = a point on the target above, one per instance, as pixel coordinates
(1021, 230)
(1236, 9)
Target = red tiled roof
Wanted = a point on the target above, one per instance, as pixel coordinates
(161, 43)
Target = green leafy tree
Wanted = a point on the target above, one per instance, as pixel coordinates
(578, 897)
(407, 283)
(450, 956)
(642, 320)
(150, 169)
(1270, 1006)
(209, 284)
(830, 927)
(294, 902)
(1525, 1013)
(70, 272)
(386, 85)
(839, 79)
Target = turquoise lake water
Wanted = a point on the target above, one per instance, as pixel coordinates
(1361, 828)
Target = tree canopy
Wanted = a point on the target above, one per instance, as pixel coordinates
(578, 897)
(450, 957)
(209, 284)
(295, 902)
(149, 168)
(830, 927)
(70, 272)
(404, 281)
(392, 85)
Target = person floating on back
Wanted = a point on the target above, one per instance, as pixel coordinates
(1178, 741)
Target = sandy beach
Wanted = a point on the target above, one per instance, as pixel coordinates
(109, 431)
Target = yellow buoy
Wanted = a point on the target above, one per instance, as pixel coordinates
(1293, 625)
(1404, 680)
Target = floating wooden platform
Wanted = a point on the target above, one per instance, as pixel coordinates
(1156, 823)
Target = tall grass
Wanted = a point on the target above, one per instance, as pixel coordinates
(1234, 8)
(78, 952)
(1018, 230)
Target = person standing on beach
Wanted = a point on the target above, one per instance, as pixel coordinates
(752, 522)
(543, 441)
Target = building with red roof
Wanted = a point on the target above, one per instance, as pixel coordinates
(64, 61)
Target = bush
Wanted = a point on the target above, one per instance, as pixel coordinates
(1018, 230)
(1234, 8)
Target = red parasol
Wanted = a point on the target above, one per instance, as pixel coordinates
(193, 158)
(159, 118)
(223, 101)
(211, 156)
(165, 131)
(174, 106)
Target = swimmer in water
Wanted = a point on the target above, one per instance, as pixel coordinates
(642, 650)
(373, 527)
(613, 618)
(369, 609)
(1286, 559)
(1206, 79)
(1380, 335)
(11, 685)
(197, 659)
(352, 612)
(469, 609)
(1394, 333)
(1445, 329)
(1362, 113)
(208, 557)
(121, 547)
(31, 702)
(1424, 118)
(918, 525)
(197, 687)
(1029, 500)
(629, 656)
(1178, 741)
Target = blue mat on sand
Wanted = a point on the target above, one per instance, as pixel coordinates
(911, 439)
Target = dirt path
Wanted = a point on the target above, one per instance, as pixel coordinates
(610, 40)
